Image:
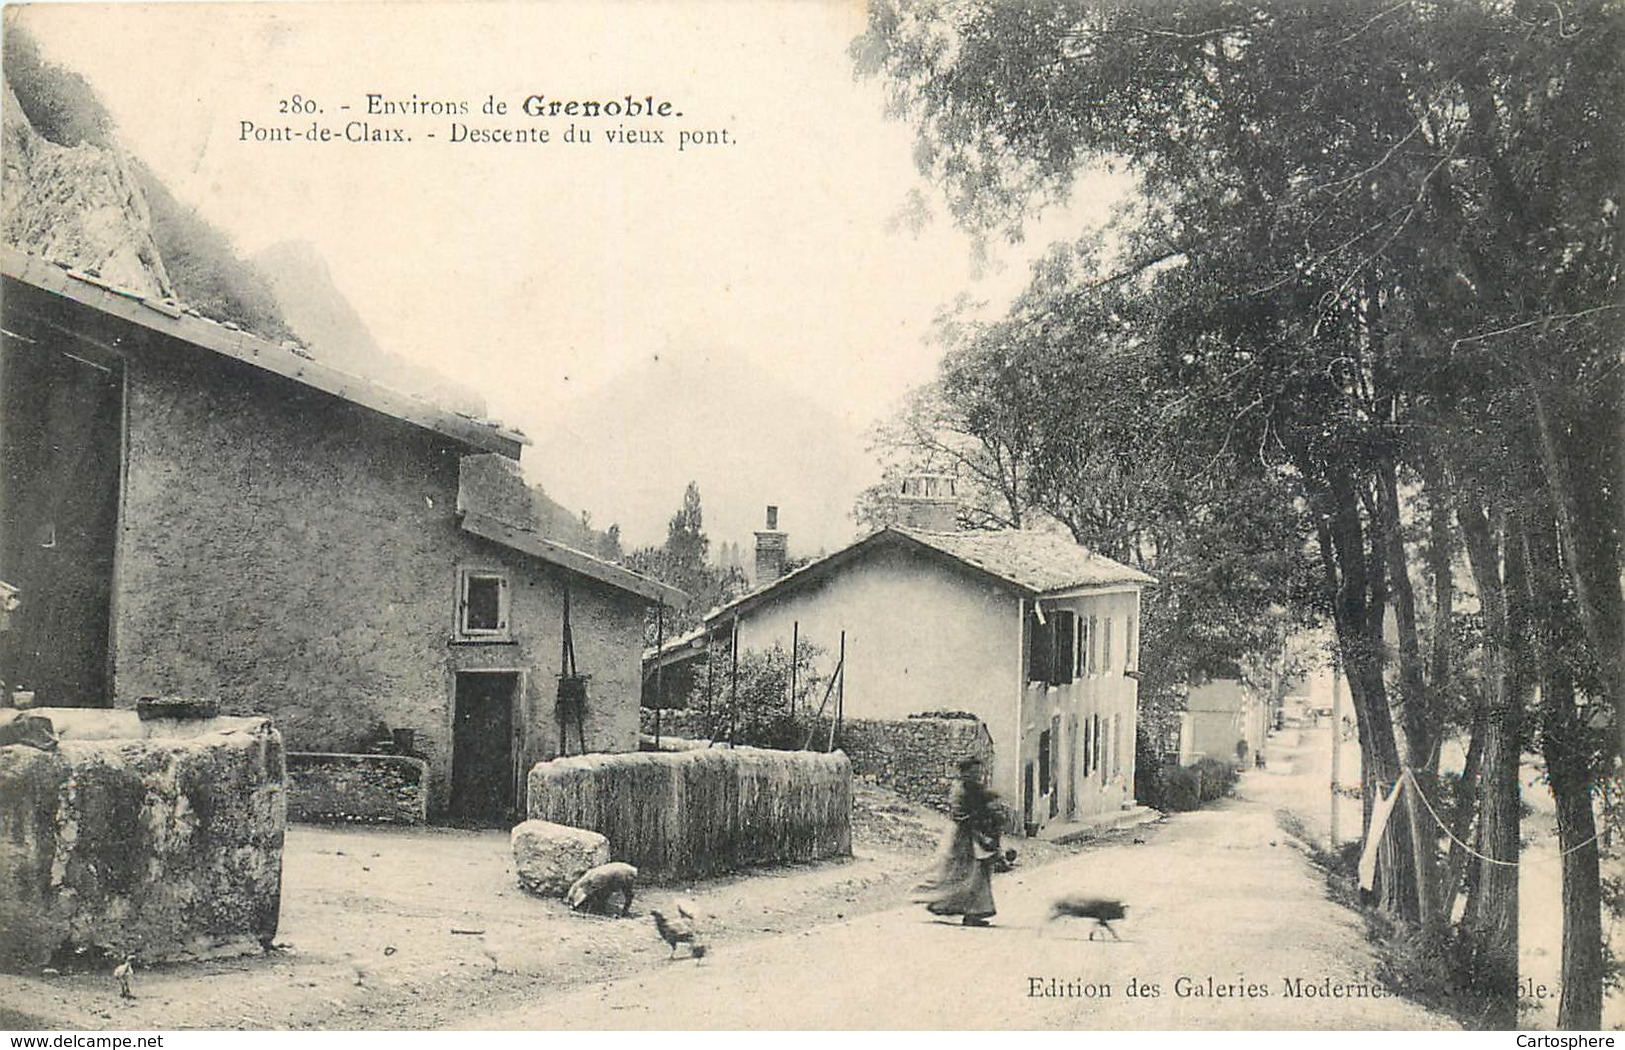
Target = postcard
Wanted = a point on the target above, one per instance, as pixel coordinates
(731, 515)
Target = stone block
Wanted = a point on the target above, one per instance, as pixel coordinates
(550, 857)
(162, 839)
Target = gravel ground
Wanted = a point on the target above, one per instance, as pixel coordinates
(412, 928)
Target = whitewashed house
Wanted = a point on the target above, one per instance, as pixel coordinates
(1030, 632)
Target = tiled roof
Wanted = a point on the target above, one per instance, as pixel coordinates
(1037, 561)
(1032, 564)
(539, 546)
(293, 362)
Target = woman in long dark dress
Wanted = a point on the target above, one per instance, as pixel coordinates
(962, 883)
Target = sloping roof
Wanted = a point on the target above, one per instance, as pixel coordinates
(1029, 564)
(1037, 561)
(539, 546)
(170, 318)
(687, 646)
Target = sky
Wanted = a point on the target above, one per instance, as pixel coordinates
(538, 274)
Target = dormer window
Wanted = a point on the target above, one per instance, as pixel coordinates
(482, 605)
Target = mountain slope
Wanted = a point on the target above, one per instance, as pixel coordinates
(313, 306)
(626, 451)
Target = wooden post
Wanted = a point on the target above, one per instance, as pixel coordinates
(1337, 740)
(795, 645)
(840, 688)
(660, 665)
(733, 686)
(840, 695)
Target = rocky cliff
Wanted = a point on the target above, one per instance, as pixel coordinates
(77, 205)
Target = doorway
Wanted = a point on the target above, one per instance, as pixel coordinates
(61, 451)
(483, 749)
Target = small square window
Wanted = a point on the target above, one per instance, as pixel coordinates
(482, 605)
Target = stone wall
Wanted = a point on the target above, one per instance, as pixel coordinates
(160, 839)
(696, 813)
(915, 757)
(357, 789)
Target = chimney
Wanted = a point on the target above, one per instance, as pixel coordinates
(770, 550)
(928, 503)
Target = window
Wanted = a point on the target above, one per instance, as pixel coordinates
(1094, 664)
(1084, 638)
(1106, 648)
(1131, 655)
(1049, 647)
(482, 605)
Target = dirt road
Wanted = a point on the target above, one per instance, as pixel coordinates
(425, 928)
(1224, 912)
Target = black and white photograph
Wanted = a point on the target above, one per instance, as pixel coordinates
(812, 515)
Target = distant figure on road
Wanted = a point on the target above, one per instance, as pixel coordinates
(962, 883)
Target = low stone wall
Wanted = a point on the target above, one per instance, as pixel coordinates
(357, 789)
(680, 722)
(915, 757)
(701, 812)
(157, 838)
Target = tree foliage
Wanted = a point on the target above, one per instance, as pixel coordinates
(753, 705)
(1372, 266)
(682, 562)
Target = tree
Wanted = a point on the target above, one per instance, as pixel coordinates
(1373, 236)
(1108, 448)
(681, 562)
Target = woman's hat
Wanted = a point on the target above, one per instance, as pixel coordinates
(967, 765)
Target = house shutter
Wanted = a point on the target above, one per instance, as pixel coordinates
(1040, 647)
(1065, 630)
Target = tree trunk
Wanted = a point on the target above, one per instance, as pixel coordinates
(1469, 797)
(1567, 765)
(1421, 720)
(1354, 578)
(1492, 921)
(1590, 547)
(1571, 772)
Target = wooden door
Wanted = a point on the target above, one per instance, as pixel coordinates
(482, 752)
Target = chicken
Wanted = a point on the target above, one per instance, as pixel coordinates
(1103, 910)
(124, 971)
(593, 890)
(679, 929)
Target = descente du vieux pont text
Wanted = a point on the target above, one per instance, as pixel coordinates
(381, 119)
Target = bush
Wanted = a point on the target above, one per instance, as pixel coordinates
(757, 711)
(1184, 788)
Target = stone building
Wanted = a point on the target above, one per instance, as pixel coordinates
(1224, 718)
(188, 509)
(1031, 633)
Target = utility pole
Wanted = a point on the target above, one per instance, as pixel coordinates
(1337, 738)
